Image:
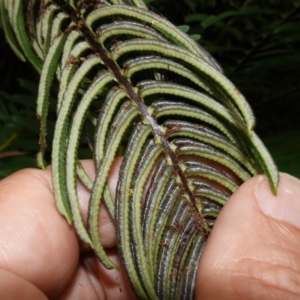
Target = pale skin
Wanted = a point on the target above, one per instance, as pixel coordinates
(249, 255)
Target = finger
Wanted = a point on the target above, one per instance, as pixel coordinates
(36, 242)
(115, 283)
(253, 251)
(93, 281)
(13, 286)
(82, 286)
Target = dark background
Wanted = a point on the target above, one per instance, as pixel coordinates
(256, 42)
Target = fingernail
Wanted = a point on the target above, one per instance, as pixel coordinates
(286, 205)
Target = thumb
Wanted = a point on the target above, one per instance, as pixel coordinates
(253, 250)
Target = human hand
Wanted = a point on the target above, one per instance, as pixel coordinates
(250, 255)
(40, 254)
(253, 251)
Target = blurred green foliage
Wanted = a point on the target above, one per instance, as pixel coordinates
(285, 148)
(257, 43)
(19, 126)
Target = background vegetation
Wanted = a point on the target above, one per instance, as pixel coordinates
(256, 42)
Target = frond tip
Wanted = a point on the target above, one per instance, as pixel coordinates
(147, 91)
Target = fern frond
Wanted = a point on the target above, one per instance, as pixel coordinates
(149, 92)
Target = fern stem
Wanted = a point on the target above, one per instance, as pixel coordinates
(123, 120)
(113, 100)
(189, 147)
(21, 35)
(162, 25)
(144, 169)
(9, 35)
(158, 223)
(213, 174)
(161, 176)
(188, 269)
(47, 74)
(91, 39)
(129, 28)
(177, 218)
(141, 283)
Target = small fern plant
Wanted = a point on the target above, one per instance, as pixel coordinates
(148, 92)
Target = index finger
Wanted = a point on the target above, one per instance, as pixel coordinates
(36, 242)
